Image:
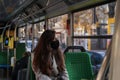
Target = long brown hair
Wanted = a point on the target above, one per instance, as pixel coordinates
(42, 54)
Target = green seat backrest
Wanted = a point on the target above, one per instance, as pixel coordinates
(78, 66)
(20, 49)
(3, 58)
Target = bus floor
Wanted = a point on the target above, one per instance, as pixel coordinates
(4, 75)
(5, 79)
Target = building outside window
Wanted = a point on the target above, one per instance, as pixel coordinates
(94, 22)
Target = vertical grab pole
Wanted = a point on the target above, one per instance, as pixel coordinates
(2, 37)
(7, 49)
(29, 69)
(15, 42)
(15, 39)
(8, 54)
(33, 36)
(26, 35)
(70, 30)
(3, 34)
(105, 64)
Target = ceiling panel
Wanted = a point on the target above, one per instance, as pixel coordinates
(70, 2)
(9, 6)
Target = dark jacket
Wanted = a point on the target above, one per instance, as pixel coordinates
(20, 64)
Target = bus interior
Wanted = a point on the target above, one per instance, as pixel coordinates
(81, 26)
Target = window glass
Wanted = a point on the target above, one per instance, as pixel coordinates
(95, 21)
(59, 24)
(21, 33)
(38, 29)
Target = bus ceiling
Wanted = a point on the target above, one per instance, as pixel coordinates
(27, 10)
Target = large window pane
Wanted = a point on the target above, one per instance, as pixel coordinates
(59, 24)
(92, 44)
(38, 29)
(95, 21)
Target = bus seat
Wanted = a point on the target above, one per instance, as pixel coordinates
(22, 73)
(79, 66)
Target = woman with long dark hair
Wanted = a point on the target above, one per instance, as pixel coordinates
(48, 60)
